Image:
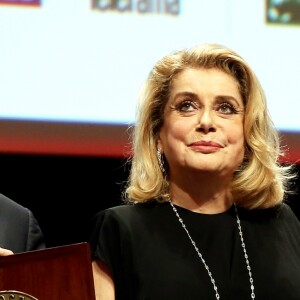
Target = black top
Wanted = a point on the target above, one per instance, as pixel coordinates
(151, 256)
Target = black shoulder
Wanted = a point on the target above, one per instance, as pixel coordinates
(7, 205)
(279, 213)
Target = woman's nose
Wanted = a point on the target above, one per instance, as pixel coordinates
(206, 122)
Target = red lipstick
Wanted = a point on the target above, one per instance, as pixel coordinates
(206, 147)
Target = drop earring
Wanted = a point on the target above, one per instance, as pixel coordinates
(160, 161)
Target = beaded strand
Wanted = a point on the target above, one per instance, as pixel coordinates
(203, 260)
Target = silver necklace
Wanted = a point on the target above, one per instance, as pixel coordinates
(203, 260)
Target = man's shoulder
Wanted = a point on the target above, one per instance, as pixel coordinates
(7, 204)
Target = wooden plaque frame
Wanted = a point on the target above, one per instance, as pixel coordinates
(63, 272)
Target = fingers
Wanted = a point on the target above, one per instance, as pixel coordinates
(5, 252)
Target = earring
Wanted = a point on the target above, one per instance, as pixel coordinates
(160, 161)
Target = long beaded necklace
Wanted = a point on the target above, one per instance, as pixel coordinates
(203, 260)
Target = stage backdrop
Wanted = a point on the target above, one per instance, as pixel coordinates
(71, 70)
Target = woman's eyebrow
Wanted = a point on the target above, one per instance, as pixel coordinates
(229, 98)
(185, 94)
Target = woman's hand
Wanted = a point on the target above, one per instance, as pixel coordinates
(5, 252)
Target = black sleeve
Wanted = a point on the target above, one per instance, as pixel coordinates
(112, 242)
(105, 239)
(35, 238)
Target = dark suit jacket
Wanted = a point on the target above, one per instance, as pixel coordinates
(19, 230)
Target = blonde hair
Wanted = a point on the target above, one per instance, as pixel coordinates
(260, 182)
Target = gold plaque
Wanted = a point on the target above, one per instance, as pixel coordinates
(15, 295)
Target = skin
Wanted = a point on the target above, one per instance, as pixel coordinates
(202, 138)
(203, 141)
(103, 282)
(5, 252)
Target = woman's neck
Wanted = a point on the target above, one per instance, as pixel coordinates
(205, 196)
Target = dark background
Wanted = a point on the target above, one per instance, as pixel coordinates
(65, 192)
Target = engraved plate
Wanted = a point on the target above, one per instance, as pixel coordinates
(15, 295)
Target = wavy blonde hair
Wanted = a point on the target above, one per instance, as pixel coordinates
(261, 180)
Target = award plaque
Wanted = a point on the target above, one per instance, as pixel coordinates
(63, 272)
(9, 295)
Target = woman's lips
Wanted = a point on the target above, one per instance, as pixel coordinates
(205, 147)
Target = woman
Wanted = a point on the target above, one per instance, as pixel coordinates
(207, 218)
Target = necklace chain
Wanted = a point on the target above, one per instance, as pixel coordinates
(203, 260)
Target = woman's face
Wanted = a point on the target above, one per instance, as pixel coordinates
(203, 123)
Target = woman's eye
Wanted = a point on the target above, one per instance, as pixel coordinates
(186, 106)
(227, 108)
